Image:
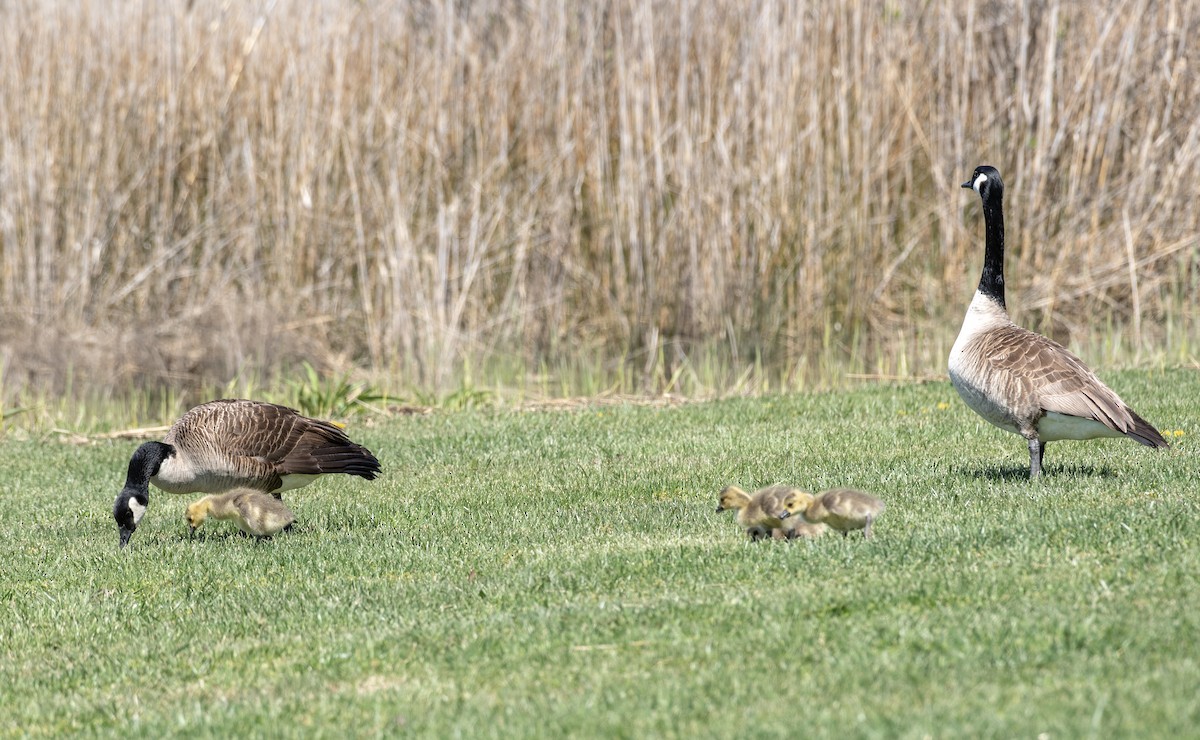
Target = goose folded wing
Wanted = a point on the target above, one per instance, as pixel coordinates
(1069, 387)
(264, 440)
(296, 444)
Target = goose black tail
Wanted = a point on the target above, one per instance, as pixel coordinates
(350, 459)
(1145, 433)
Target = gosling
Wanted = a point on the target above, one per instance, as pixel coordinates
(759, 514)
(254, 512)
(794, 528)
(843, 509)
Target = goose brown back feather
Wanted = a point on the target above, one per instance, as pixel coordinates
(1036, 375)
(255, 444)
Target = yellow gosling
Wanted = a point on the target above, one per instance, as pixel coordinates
(759, 514)
(843, 509)
(794, 527)
(254, 512)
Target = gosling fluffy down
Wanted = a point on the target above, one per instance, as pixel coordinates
(794, 527)
(843, 509)
(254, 512)
(759, 514)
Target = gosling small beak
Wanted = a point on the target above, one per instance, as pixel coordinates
(968, 184)
(785, 515)
(126, 533)
(720, 508)
(191, 531)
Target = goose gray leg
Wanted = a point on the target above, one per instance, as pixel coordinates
(1037, 448)
(867, 530)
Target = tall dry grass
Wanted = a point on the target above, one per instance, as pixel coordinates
(189, 190)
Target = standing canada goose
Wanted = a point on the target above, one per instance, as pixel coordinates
(843, 509)
(227, 444)
(255, 513)
(1021, 381)
(758, 514)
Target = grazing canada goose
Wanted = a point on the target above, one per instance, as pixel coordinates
(227, 444)
(254, 512)
(1021, 381)
(843, 509)
(759, 513)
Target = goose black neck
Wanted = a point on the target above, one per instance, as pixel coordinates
(145, 464)
(991, 282)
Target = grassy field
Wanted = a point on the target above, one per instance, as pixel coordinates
(550, 572)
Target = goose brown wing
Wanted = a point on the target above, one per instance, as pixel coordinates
(1061, 383)
(265, 439)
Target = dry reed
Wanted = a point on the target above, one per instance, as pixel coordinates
(189, 190)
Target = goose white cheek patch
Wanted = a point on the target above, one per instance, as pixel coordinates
(979, 181)
(137, 509)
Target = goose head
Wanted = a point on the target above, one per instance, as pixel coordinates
(131, 504)
(732, 497)
(197, 512)
(985, 180)
(796, 502)
(128, 510)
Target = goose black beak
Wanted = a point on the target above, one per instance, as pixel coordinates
(720, 509)
(785, 514)
(968, 184)
(126, 533)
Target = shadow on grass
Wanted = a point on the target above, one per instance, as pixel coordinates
(1020, 473)
(224, 534)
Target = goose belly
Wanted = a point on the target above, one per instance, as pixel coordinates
(295, 480)
(174, 476)
(1054, 426)
(976, 397)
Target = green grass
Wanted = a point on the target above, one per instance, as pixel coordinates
(550, 573)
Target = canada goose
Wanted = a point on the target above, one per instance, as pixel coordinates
(254, 512)
(227, 444)
(843, 509)
(1021, 381)
(759, 513)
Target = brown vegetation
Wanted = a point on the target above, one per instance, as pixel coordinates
(189, 190)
